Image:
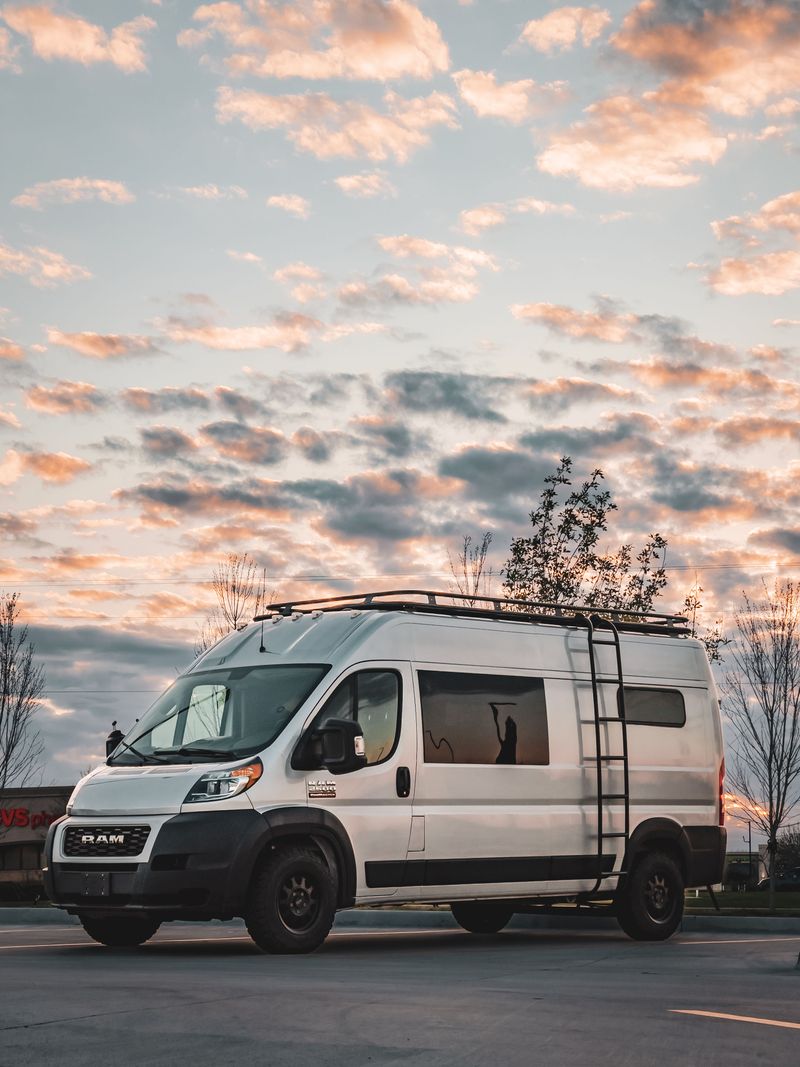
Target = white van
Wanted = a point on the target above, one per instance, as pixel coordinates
(405, 746)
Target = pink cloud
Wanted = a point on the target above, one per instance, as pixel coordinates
(760, 267)
(370, 39)
(11, 350)
(101, 345)
(770, 274)
(55, 36)
(327, 128)
(514, 101)
(297, 272)
(365, 185)
(42, 267)
(288, 333)
(72, 190)
(559, 30)
(64, 398)
(292, 204)
(602, 325)
(486, 216)
(626, 142)
(8, 52)
(55, 467)
(211, 191)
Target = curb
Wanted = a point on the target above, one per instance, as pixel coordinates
(441, 919)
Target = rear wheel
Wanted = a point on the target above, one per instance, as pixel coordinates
(482, 916)
(292, 902)
(650, 905)
(120, 931)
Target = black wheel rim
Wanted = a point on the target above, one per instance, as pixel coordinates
(298, 902)
(659, 897)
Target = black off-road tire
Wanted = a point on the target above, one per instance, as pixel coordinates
(650, 904)
(120, 931)
(292, 901)
(482, 916)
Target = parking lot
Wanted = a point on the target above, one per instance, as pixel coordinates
(203, 994)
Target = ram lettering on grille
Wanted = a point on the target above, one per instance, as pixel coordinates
(105, 840)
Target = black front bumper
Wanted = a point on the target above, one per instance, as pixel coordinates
(199, 867)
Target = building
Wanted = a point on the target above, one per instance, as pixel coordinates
(25, 815)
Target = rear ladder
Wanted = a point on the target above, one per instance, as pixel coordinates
(602, 758)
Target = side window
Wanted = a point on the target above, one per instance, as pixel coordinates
(372, 698)
(483, 718)
(654, 707)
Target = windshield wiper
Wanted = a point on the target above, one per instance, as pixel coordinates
(185, 750)
(144, 757)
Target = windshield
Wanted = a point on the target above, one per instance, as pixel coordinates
(220, 714)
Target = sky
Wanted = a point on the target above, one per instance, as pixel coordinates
(337, 282)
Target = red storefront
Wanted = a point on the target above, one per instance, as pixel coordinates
(25, 816)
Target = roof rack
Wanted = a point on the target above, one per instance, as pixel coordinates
(492, 607)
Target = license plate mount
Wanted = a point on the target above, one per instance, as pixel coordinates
(96, 884)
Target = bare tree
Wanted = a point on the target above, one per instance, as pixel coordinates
(471, 576)
(240, 588)
(22, 681)
(561, 561)
(762, 698)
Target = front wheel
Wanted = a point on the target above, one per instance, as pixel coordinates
(292, 902)
(650, 904)
(482, 916)
(120, 931)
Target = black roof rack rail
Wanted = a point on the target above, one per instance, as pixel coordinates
(494, 607)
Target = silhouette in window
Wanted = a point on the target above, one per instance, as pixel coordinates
(508, 744)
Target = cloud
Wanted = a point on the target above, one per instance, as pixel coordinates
(756, 269)
(102, 345)
(367, 39)
(559, 30)
(327, 128)
(627, 141)
(248, 444)
(516, 102)
(502, 478)
(55, 467)
(731, 56)
(561, 393)
(288, 332)
(316, 445)
(753, 429)
(166, 441)
(210, 191)
(297, 271)
(11, 350)
(8, 53)
(486, 216)
(292, 204)
(779, 537)
(65, 398)
(73, 190)
(8, 418)
(770, 274)
(57, 36)
(394, 438)
(618, 434)
(40, 266)
(468, 396)
(602, 325)
(170, 398)
(365, 185)
(244, 257)
(717, 381)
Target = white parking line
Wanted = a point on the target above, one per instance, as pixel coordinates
(737, 1018)
(739, 941)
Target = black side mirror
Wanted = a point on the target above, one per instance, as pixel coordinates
(113, 739)
(342, 742)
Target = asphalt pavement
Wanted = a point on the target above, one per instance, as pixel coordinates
(203, 994)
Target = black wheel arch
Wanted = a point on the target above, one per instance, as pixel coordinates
(300, 825)
(659, 835)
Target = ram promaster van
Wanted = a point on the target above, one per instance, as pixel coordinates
(390, 747)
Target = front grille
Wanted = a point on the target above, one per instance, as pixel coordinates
(105, 840)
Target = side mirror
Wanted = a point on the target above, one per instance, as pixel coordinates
(342, 742)
(113, 739)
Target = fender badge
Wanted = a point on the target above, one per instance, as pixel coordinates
(320, 787)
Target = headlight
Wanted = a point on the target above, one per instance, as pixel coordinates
(220, 785)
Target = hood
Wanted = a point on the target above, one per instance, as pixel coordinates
(137, 790)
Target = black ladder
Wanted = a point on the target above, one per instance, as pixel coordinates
(602, 758)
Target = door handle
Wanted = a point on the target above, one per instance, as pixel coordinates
(403, 781)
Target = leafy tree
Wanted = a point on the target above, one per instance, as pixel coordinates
(22, 681)
(712, 637)
(240, 589)
(562, 562)
(789, 849)
(471, 576)
(762, 700)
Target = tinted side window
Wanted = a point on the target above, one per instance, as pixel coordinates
(654, 707)
(483, 718)
(372, 698)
